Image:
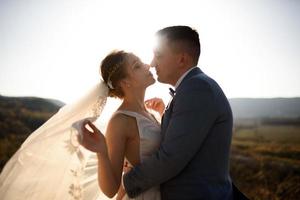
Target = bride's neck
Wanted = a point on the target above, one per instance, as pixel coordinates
(134, 101)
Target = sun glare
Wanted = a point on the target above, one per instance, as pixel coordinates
(55, 52)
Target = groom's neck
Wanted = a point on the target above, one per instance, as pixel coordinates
(181, 74)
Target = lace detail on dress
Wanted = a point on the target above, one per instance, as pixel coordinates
(75, 189)
(98, 106)
(73, 145)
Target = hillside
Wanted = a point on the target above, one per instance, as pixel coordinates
(265, 108)
(20, 116)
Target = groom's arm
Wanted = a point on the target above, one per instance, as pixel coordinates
(192, 117)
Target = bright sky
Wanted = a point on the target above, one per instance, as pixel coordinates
(53, 48)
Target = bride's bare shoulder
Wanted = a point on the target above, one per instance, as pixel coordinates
(121, 123)
(121, 119)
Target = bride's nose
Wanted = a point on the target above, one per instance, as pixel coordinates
(147, 66)
(153, 63)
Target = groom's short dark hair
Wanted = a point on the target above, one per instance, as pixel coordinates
(185, 36)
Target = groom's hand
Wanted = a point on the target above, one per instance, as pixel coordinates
(156, 104)
(126, 168)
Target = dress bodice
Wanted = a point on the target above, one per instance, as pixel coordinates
(150, 139)
(149, 132)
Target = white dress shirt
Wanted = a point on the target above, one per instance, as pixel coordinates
(182, 77)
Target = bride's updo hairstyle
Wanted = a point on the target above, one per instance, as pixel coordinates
(113, 70)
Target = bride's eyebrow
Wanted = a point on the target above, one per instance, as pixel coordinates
(135, 62)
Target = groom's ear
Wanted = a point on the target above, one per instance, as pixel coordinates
(183, 59)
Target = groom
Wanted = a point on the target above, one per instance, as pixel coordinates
(193, 159)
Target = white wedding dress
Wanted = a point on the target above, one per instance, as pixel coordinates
(52, 165)
(150, 138)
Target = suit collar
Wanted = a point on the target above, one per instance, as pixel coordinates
(192, 72)
(182, 77)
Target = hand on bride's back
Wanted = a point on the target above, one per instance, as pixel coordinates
(93, 139)
(156, 104)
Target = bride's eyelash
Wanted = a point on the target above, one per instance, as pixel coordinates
(138, 65)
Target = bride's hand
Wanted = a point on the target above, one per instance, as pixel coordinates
(93, 140)
(156, 104)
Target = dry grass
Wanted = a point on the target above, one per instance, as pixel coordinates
(264, 167)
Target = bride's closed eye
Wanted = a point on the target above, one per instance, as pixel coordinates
(138, 65)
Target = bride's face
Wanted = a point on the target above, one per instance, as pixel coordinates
(138, 74)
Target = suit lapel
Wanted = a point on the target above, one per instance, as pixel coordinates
(166, 118)
(168, 112)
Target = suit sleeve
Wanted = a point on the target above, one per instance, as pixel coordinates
(193, 115)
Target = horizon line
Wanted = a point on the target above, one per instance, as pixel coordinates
(52, 98)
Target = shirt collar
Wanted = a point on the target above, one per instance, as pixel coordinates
(182, 77)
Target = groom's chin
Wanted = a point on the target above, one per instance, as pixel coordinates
(161, 81)
(154, 81)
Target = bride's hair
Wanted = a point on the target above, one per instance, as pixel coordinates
(113, 69)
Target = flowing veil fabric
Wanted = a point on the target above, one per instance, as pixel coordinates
(51, 164)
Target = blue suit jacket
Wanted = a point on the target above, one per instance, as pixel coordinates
(193, 159)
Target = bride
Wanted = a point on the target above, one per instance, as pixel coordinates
(69, 158)
(132, 131)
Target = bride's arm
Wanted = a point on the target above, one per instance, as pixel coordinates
(110, 153)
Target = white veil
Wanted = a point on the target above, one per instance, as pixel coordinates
(51, 164)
